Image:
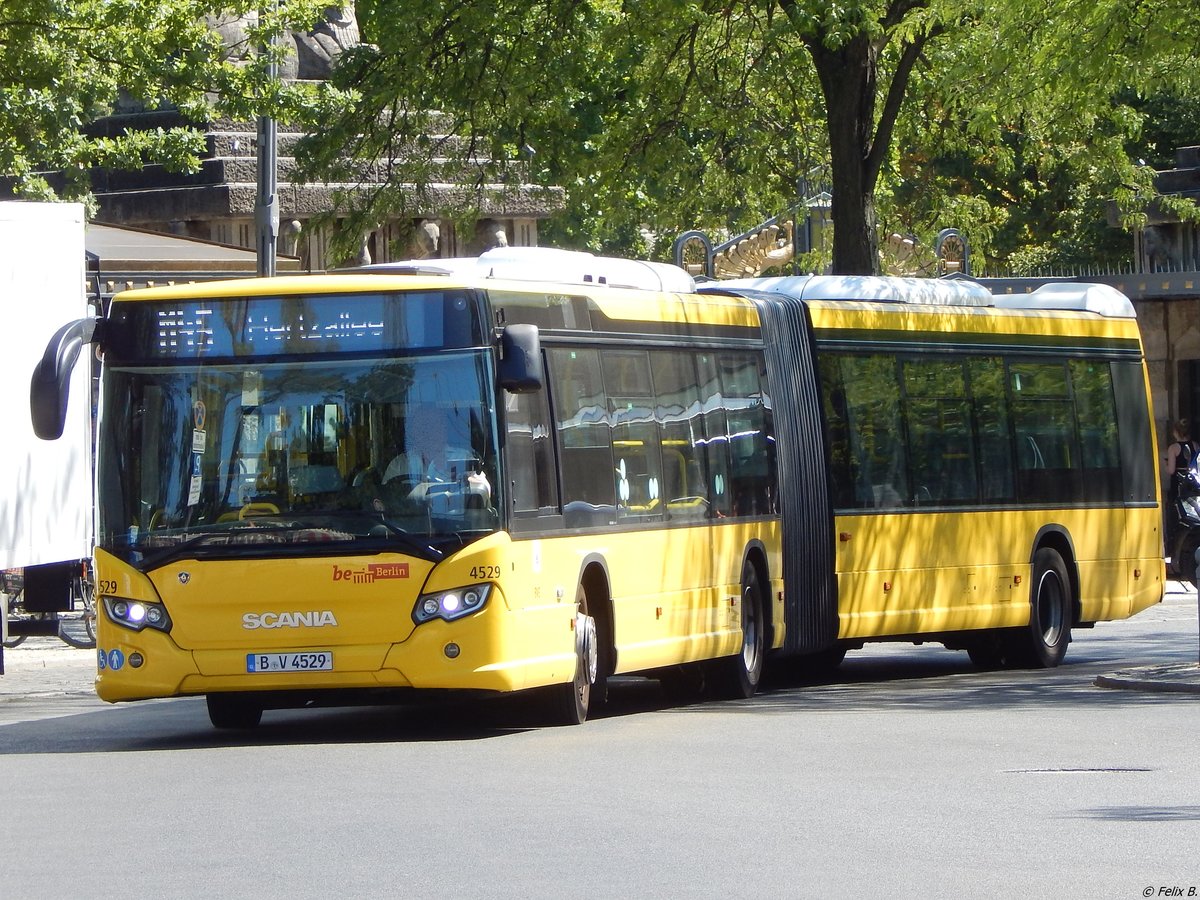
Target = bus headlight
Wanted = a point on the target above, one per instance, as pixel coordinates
(451, 605)
(137, 614)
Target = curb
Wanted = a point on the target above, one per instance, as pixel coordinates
(1181, 678)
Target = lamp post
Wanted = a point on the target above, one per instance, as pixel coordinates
(266, 207)
(952, 252)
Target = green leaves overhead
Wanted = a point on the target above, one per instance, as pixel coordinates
(66, 63)
(1015, 121)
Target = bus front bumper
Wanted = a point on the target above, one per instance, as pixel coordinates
(492, 650)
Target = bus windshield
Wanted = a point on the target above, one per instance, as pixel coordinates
(275, 457)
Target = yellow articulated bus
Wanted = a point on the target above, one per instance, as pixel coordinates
(537, 469)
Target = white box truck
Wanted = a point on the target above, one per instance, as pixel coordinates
(46, 501)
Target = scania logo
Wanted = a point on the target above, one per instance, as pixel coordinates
(313, 619)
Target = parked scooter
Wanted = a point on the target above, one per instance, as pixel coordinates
(1184, 537)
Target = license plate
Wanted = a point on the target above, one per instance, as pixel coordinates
(308, 661)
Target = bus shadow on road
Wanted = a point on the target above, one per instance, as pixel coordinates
(947, 682)
(877, 680)
(182, 723)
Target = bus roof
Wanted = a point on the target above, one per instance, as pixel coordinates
(546, 264)
(1095, 298)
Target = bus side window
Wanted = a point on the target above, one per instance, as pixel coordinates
(584, 437)
(1043, 413)
(530, 453)
(876, 429)
(716, 430)
(992, 427)
(637, 458)
(751, 443)
(681, 434)
(842, 468)
(1096, 415)
(941, 448)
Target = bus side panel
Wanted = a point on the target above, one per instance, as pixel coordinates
(1139, 462)
(902, 573)
(671, 603)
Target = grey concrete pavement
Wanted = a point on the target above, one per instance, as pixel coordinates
(45, 666)
(1174, 678)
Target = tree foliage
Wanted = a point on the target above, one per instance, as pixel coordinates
(705, 121)
(1014, 120)
(1037, 151)
(712, 113)
(66, 63)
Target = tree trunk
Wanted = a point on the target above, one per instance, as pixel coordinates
(847, 77)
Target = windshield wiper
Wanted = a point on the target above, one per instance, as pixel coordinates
(419, 548)
(228, 537)
(157, 558)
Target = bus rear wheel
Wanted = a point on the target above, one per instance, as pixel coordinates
(741, 672)
(987, 650)
(1043, 644)
(233, 711)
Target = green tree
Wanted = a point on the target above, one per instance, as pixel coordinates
(66, 63)
(709, 113)
(705, 122)
(1024, 149)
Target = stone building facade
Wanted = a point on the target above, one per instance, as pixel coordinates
(218, 202)
(1167, 294)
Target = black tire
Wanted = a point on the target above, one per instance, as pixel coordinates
(571, 702)
(986, 652)
(1043, 644)
(683, 684)
(811, 668)
(823, 662)
(234, 711)
(1184, 559)
(13, 601)
(738, 675)
(79, 633)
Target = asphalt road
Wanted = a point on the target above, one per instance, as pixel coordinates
(908, 775)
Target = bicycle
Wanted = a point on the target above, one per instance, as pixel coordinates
(76, 630)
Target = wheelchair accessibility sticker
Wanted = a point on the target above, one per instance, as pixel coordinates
(111, 659)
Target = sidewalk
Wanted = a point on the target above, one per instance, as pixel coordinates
(46, 667)
(1181, 678)
(1176, 678)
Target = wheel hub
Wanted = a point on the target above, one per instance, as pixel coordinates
(585, 646)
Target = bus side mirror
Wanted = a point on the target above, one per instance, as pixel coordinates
(50, 386)
(521, 359)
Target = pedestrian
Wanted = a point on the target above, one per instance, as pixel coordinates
(1180, 454)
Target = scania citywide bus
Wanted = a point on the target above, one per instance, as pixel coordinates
(630, 477)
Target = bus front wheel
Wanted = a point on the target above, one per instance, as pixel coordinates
(572, 701)
(236, 711)
(1043, 644)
